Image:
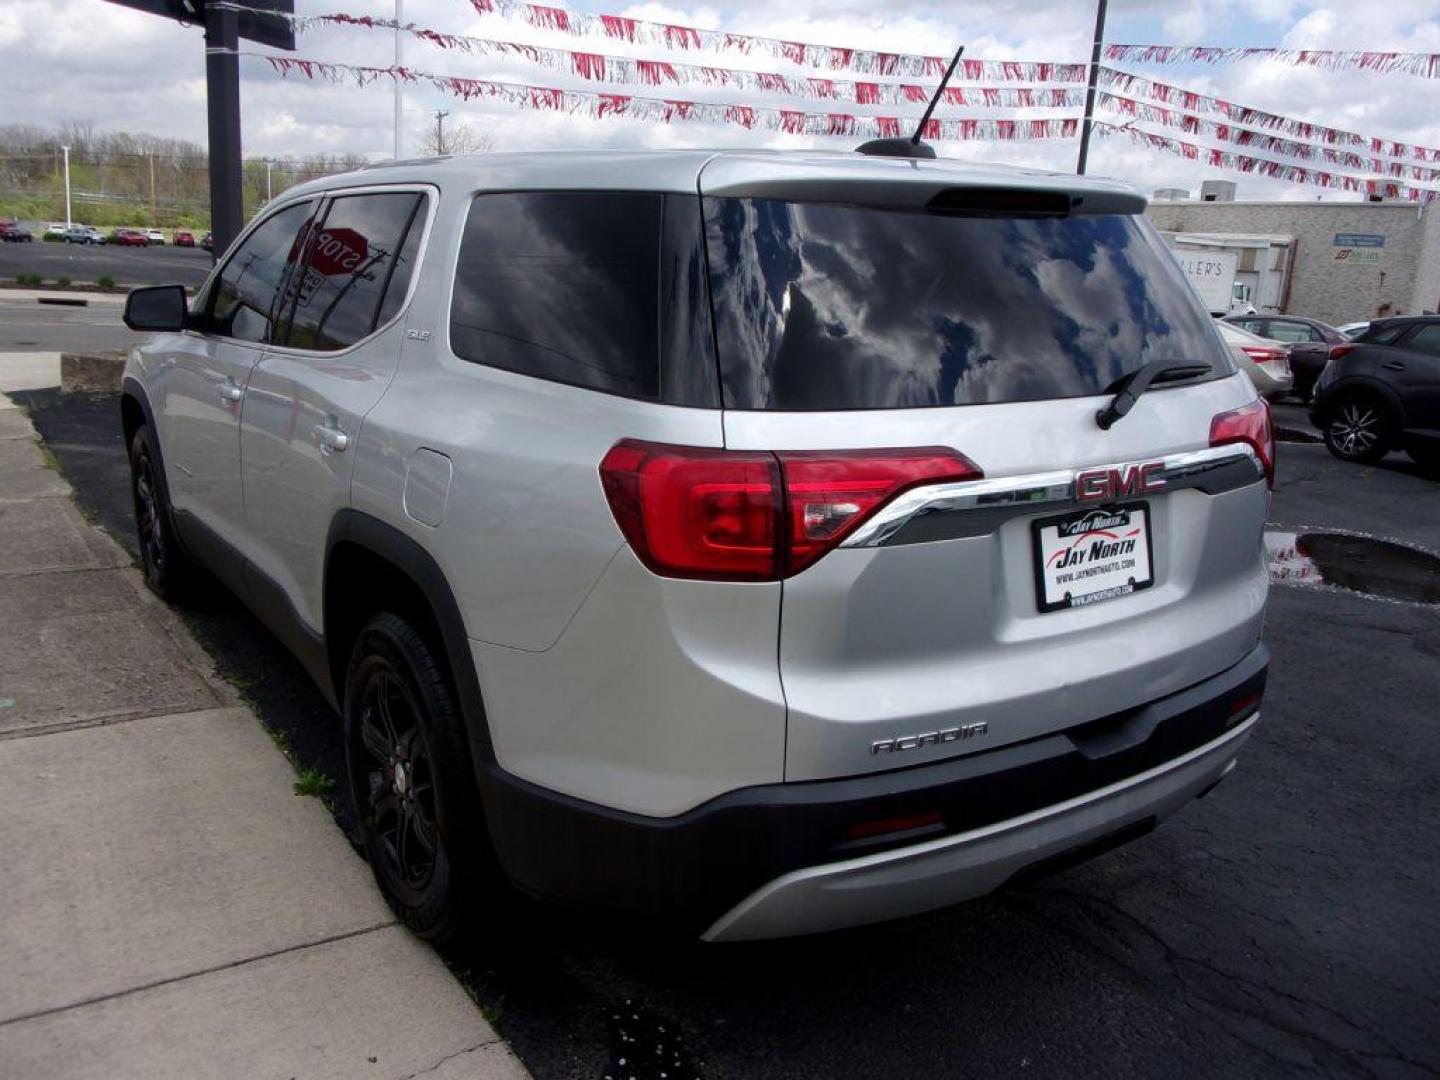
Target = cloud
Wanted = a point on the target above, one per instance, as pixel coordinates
(121, 69)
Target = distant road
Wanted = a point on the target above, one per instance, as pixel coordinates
(127, 265)
(27, 326)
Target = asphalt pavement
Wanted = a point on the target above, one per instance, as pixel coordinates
(27, 325)
(156, 265)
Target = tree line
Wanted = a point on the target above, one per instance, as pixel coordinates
(130, 178)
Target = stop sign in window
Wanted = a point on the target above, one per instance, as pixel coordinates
(338, 251)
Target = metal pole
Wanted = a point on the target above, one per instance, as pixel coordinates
(440, 133)
(1090, 88)
(222, 84)
(399, 94)
(66, 151)
(267, 180)
(152, 191)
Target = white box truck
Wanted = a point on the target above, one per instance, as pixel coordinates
(1212, 274)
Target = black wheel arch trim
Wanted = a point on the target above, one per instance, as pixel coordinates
(1368, 384)
(410, 558)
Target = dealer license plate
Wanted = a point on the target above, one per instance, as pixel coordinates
(1090, 556)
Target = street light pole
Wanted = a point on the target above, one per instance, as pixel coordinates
(1090, 88)
(399, 94)
(267, 180)
(66, 151)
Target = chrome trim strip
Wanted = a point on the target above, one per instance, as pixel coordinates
(1004, 497)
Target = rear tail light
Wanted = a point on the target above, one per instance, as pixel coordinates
(1279, 358)
(1336, 352)
(1248, 424)
(734, 515)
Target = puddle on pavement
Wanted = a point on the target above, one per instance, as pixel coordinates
(644, 1046)
(1359, 564)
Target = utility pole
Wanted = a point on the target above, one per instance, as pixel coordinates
(66, 151)
(399, 93)
(267, 180)
(440, 133)
(152, 188)
(1090, 88)
(222, 85)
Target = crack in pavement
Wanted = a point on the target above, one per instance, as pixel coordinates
(451, 1057)
(1254, 990)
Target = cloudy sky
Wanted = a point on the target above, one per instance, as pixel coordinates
(90, 60)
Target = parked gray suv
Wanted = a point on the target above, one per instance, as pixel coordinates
(753, 543)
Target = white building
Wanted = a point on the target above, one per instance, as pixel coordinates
(1336, 261)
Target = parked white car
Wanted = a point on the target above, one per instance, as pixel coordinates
(1266, 362)
(155, 236)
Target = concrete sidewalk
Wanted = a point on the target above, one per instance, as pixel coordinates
(168, 907)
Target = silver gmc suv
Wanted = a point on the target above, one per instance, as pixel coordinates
(753, 543)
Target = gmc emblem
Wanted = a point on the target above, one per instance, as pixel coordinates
(1105, 485)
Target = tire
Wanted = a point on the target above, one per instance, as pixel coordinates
(1359, 427)
(168, 572)
(411, 785)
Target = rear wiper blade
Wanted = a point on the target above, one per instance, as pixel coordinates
(1138, 381)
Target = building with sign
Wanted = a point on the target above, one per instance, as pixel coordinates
(1336, 261)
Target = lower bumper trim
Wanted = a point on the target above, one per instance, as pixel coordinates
(963, 866)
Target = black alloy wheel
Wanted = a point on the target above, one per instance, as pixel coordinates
(411, 785)
(398, 785)
(1359, 428)
(163, 563)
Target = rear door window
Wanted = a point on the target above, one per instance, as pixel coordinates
(246, 294)
(359, 261)
(827, 306)
(1426, 339)
(1293, 332)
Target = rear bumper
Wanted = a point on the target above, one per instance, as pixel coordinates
(942, 872)
(782, 859)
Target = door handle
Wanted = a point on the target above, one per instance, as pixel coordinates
(1393, 365)
(229, 392)
(332, 440)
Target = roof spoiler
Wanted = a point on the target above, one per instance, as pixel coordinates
(913, 147)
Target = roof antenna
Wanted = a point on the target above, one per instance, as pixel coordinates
(913, 147)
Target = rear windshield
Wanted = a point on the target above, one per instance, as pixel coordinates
(825, 306)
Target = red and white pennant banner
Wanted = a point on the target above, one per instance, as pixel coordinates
(1279, 170)
(598, 67)
(668, 111)
(1426, 65)
(828, 57)
(1262, 140)
(1244, 114)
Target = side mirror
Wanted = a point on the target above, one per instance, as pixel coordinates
(156, 308)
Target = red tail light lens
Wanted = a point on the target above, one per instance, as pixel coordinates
(1337, 351)
(750, 515)
(1262, 355)
(1248, 424)
(829, 493)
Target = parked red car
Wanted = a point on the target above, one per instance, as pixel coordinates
(129, 238)
(183, 239)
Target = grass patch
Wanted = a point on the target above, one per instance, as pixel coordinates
(313, 782)
(62, 281)
(27, 279)
(105, 281)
